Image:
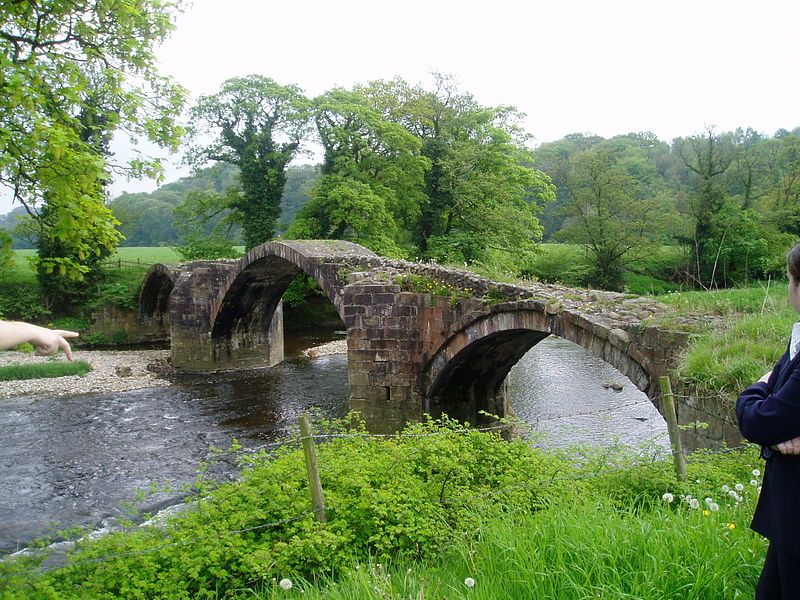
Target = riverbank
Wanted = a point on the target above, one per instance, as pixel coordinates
(112, 371)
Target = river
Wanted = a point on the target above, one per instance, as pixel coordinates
(84, 460)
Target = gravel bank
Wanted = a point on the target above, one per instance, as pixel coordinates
(334, 347)
(112, 371)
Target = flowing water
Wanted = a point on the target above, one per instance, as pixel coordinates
(84, 460)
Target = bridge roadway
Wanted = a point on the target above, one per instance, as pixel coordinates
(409, 351)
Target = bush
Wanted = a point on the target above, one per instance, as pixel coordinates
(7, 259)
(199, 247)
(22, 301)
(558, 263)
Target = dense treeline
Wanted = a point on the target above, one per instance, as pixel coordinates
(732, 199)
(432, 174)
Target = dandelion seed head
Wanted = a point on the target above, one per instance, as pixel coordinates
(286, 584)
(726, 488)
(756, 472)
(668, 498)
(469, 582)
(713, 507)
(732, 493)
(694, 503)
(708, 501)
(753, 482)
(738, 487)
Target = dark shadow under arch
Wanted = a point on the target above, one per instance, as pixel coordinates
(472, 381)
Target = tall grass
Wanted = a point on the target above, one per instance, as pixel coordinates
(751, 332)
(586, 549)
(767, 297)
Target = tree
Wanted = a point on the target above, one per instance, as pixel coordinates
(555, 159)
(748, 168)
(372, 177)
(608, 214)
(708, 157)
(258, 126)
(72, 73)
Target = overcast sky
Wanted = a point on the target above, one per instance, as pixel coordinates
(605, 67)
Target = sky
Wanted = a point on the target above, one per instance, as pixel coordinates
(605, 67)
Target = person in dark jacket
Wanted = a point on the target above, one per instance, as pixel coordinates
(769, 415)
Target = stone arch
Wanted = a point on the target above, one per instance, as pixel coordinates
(264, 273)
(159, 281)
(472, 364)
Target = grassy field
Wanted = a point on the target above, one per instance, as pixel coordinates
(144, 255)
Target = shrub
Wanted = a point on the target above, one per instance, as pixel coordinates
(200, 247)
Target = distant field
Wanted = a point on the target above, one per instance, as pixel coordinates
(144, 255)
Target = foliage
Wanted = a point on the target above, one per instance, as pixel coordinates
(610, 213)
(258, 126)
(729, 360)
(197, 247)
(74, 73)
(6, 254)
(300, 289)
(431, 174)
(424, 511)
(19, 300)
(342, 208)
(43, 369)
(421, 284)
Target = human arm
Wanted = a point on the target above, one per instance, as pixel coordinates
(767, 416)
(47, 341)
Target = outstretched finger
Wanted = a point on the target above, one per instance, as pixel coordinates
(66, 334)
(64, 345)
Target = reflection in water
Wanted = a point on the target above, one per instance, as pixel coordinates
(566, 394)
(77, 460)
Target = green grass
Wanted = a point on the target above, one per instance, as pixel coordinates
(586, 550)
(144, 255)
(768, 297)
(43, 370)
(414, 516)
(752, 334)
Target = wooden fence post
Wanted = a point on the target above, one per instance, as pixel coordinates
(314, 482)
(672, 427)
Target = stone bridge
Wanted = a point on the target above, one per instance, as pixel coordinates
(420, 337)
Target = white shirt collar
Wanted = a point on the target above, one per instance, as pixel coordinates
(795, 341)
